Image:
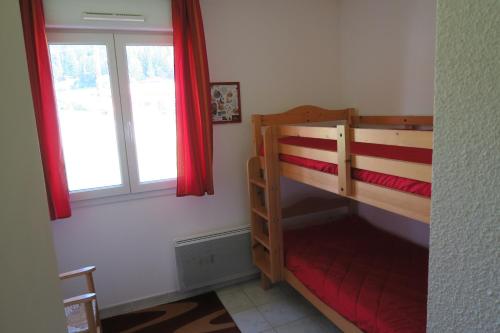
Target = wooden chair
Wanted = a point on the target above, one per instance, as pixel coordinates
(82, 315)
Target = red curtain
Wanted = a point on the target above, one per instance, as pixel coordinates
(192, 101)
(37, 54)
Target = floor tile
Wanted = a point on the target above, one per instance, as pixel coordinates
(328, 325)
(290, 291)
(229, 289)
(235, 301)
(298, 298)
(259, 296)
(304, 325)
(251, 321)
(282, 307)
(283, 312)
(286, 288)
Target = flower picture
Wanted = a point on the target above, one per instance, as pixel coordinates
(225, 102)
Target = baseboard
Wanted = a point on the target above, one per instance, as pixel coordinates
(147, 302)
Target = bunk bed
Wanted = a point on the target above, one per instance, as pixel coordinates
(378, 160)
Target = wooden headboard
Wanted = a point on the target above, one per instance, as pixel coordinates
(299, 115)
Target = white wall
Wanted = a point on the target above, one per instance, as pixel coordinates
(464, 279)
(387, 67)
(284, 53)
(31, 299)
(387, 55)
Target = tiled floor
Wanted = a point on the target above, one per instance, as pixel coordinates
(277, 310)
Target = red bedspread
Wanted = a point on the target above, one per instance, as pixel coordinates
(373, 279)
(417, 155)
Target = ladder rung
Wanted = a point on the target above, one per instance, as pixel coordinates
(262, 261)
(261, 211)
(259, 182)
(264, 265)
(262, 240)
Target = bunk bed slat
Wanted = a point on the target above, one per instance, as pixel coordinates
(308, 131)
(391, 137)
(406, 169)
(417, 171)
(393, 120)
(324, 181)
(402, 203)
(406, 204)
(310, 153)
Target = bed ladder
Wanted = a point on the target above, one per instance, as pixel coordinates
(265, 210)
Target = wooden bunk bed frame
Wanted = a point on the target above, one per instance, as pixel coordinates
(264, 179)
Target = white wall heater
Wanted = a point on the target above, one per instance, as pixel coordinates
(212, 258)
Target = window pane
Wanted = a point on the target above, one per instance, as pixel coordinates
(86, 115)
(151, 78)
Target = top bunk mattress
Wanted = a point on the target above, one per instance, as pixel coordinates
(416, 155)
(375, 280)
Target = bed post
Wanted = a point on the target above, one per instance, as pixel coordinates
(344, 158)
(352, 207)
(351, 116)
(257, 133)
(273, 198)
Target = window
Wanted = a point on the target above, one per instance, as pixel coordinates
(116, 107)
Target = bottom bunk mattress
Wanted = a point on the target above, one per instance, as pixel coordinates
(375, 280)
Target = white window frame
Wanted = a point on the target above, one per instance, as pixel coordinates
(121, 42)
(122, 107)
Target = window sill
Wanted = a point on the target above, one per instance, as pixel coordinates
(122, 198)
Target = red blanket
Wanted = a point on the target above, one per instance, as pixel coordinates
(373, 279)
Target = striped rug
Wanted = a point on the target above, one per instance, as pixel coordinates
(200, 314)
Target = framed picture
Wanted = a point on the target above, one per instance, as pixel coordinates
(225, 102)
